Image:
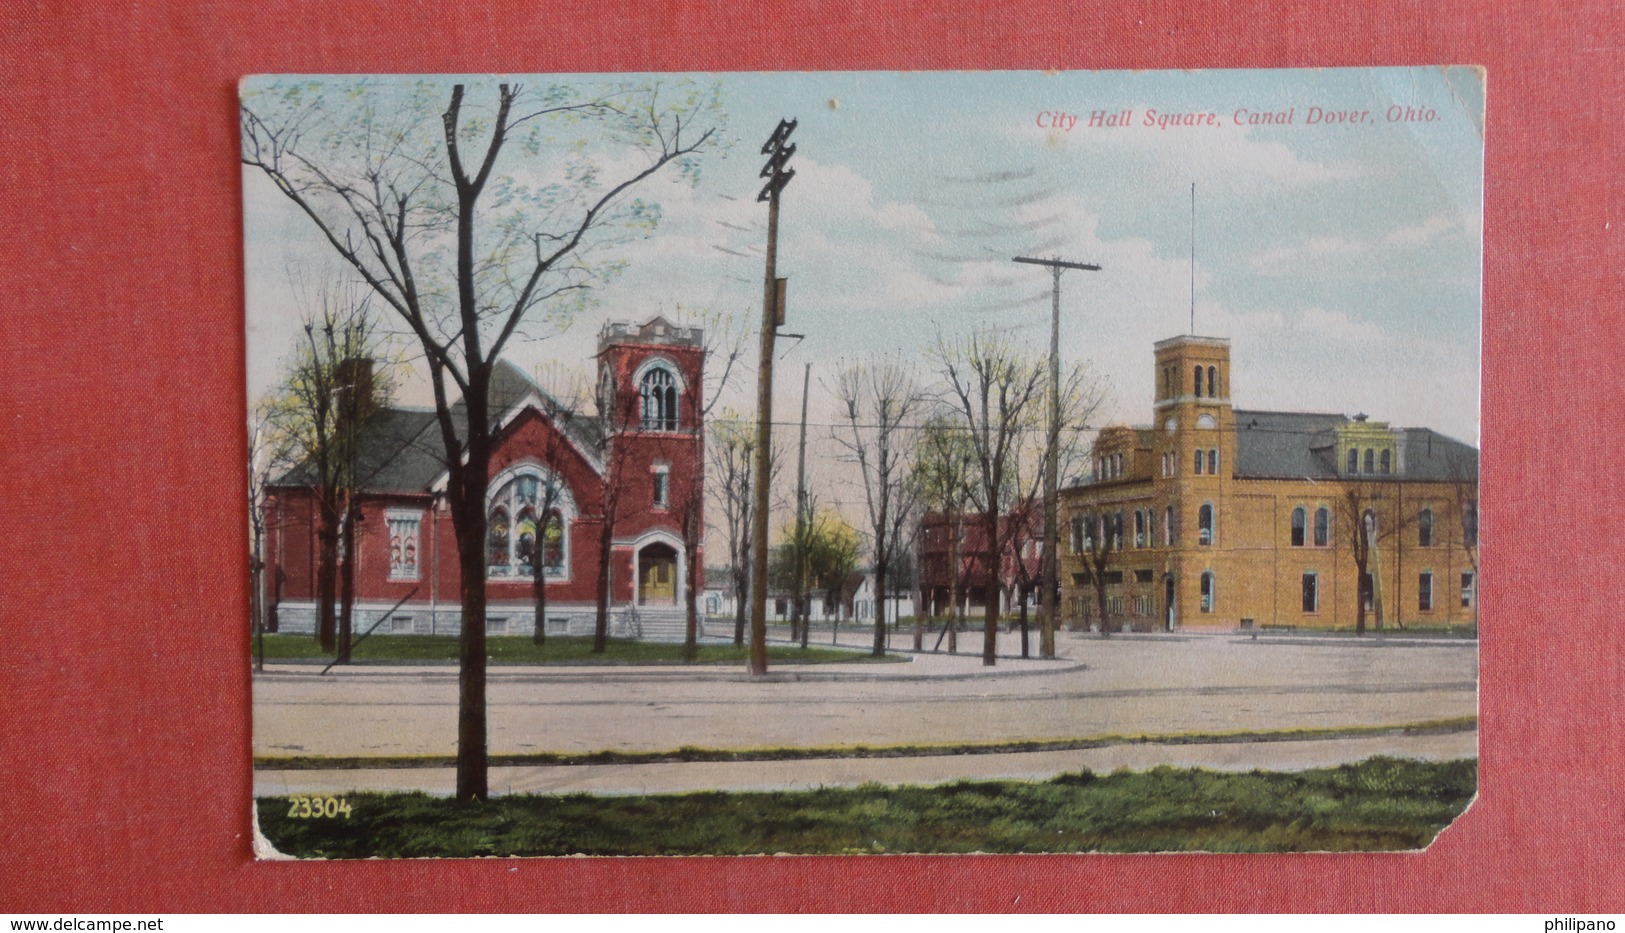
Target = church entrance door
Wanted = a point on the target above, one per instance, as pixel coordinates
(657, 575)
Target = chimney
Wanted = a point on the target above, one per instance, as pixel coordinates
(354, 395)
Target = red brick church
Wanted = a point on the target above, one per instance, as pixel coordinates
(546, 502)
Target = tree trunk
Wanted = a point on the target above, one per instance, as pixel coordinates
(880, 609)
(1023, 596)
(990, 617)
(691, 605)
(468, 520)
(327, 557)
(347, 585)
(538, 584)
(600, 630)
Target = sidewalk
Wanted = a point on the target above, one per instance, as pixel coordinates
(925, 665)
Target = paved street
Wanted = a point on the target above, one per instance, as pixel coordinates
(1165, 684)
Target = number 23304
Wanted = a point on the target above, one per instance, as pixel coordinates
(316, 808)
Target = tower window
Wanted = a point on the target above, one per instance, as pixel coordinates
(1198, 382)
(1212, 381)
(1213, 462)
(1204, 524)
(658, 390)
(662, 487)
(1198, 463)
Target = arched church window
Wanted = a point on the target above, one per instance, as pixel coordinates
(500, 561)
(1198, 388)
(1212, 382)
(658, 389)
(517, 536)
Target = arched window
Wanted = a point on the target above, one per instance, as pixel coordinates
(1117, 531)
(1424, 528)
(1212, 382)
(516, 537)
(1370, 460)
(1198, 382)
(500, 560)
(1354, 461)
(1299, 523)
(1387, 461)
(1204, 524)
(1168, 536)
(1198, 463)
(1206, 422)
(1213, 462)
(1209, 591)
(1369, 521)
(553, 542)
(1323, 527)
(1139, 528)
(658, 389)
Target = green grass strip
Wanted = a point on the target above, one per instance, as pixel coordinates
(1380, 804)
(694, 754)
(558, 650)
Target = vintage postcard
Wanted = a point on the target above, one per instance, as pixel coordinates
(848, 463)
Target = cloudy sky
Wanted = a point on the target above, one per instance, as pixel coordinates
(1342, 259)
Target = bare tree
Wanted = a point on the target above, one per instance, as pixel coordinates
(397, 183)
(1102, 539)
(879, 400)
(943, 470)
(732, 458)
(997, 392)
(318, 417)
(1369, 514)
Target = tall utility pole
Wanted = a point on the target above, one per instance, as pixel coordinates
(1052, 460)
(772, 318)
(803, 611)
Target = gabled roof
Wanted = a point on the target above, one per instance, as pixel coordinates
(402, 450)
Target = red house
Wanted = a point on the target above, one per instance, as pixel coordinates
(1021, 540)
(555, 474)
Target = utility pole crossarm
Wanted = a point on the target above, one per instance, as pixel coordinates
(1057, 263)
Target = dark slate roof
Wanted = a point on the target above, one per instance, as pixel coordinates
(403, 452)
(1303, 444)
(1430, 455)
(1285, 443)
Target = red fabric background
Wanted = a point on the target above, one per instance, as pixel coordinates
(123, 688)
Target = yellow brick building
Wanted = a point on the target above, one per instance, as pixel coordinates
(1212, 517)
